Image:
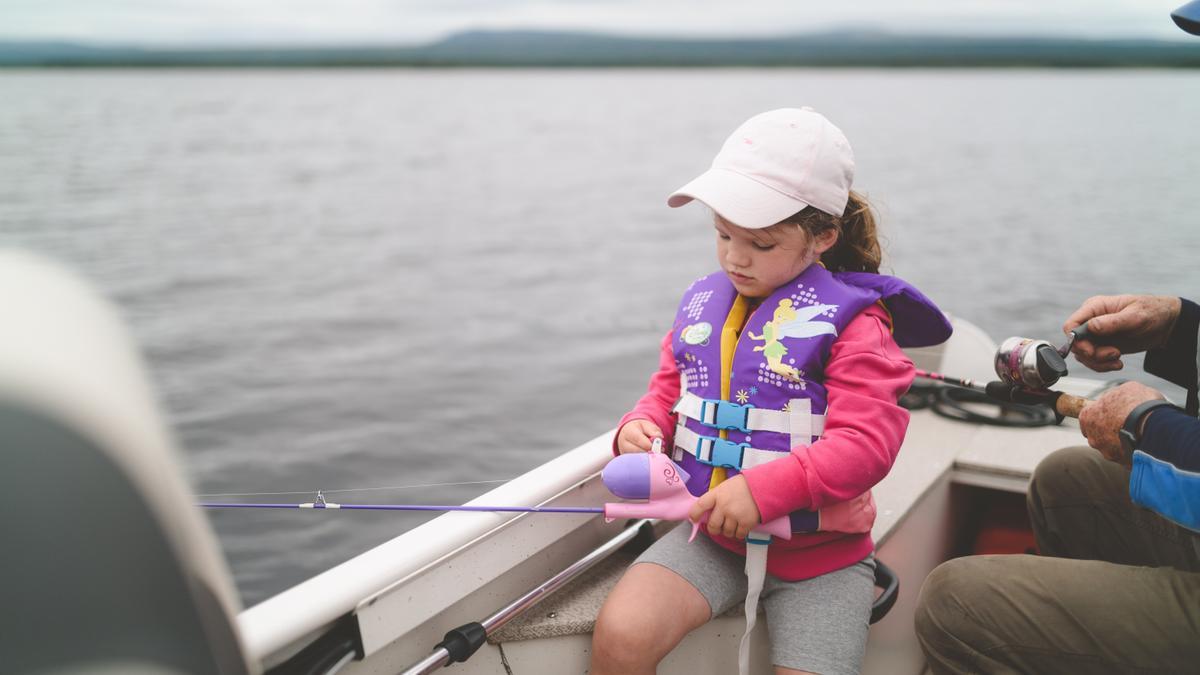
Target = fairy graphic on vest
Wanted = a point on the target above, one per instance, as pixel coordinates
(790, 322)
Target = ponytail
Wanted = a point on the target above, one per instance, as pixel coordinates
(857, 248)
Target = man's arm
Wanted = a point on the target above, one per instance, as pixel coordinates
(1176, 361)
(1172, 436)
(1166, 465)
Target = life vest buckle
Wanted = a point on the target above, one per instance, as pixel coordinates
(720, 452)
(725, 415)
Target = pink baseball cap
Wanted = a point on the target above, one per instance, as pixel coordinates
(775, 164)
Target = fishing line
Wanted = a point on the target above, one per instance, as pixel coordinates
(366, 489)
(322, 504)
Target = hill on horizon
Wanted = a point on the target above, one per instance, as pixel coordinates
(529, 48)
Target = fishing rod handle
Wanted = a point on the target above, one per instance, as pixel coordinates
(1068, 405)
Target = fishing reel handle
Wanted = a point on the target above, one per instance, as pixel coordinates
(1064, 405)
(1082, 332)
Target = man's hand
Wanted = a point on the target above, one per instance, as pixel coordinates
(637, 436)
(1102, 419)
(734, 512)
(1125, 324)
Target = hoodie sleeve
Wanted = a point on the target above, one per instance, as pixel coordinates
(864, 425)
(655, 405)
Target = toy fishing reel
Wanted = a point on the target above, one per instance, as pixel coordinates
(1035, 364)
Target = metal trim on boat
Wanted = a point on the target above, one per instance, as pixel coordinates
(442, 656)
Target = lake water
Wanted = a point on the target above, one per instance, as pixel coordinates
(371, 278)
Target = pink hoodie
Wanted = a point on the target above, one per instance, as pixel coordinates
(864, 428)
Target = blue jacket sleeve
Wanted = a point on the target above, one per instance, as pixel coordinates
(1166, 489)
(1166, 468)
(1172, 436)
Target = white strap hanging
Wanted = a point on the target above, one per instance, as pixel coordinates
(756, 573)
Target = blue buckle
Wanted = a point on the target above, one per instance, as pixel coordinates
(725, 453)
(727, 415)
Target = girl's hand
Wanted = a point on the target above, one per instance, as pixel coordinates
(637, 436)
(734, 512)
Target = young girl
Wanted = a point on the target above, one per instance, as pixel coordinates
(777, 391)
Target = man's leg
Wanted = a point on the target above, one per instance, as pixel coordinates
(1034, 614)
(1080, 508)
(1003, 614)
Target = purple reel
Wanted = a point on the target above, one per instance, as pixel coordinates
(628, 476)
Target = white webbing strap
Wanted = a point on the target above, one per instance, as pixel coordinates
(756, 573)
(801, 422)
(700, 447)
(757, 419)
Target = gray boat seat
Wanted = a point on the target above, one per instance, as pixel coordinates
(107, 565)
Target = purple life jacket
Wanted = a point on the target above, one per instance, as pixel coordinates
(776, 396)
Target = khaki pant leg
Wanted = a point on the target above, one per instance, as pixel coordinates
(1030, 614)
(1034, 614)
(1080, 508)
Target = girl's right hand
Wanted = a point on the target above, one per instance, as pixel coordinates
(637, 436)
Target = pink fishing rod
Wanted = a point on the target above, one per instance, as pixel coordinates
(958, 382)
(651, 478)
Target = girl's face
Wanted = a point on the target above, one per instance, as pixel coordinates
(760, 261)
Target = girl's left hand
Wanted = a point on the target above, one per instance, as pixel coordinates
(734, 512)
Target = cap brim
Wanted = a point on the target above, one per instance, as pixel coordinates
(1187, 17)
(740, 200)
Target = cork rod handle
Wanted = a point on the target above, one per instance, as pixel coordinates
(1070, 406)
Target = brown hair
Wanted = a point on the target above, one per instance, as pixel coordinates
(857, 248)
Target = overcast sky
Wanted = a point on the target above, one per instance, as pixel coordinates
(170, 22)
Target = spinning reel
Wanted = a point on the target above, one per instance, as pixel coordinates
(1036, 364)
(1027, 369)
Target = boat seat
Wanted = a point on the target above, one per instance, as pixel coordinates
(573, 609)
(91, 577)
(108, 568)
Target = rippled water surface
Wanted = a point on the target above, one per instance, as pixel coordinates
(391, 277)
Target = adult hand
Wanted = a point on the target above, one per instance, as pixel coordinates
(734, 512)
(637, 436)
(1102, 419)
(1125, 324)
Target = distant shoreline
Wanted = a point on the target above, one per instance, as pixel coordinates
(544, 66)
(548, 49)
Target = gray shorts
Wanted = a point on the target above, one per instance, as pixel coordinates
(818, 625)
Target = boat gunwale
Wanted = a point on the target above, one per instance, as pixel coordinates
(288, 620)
